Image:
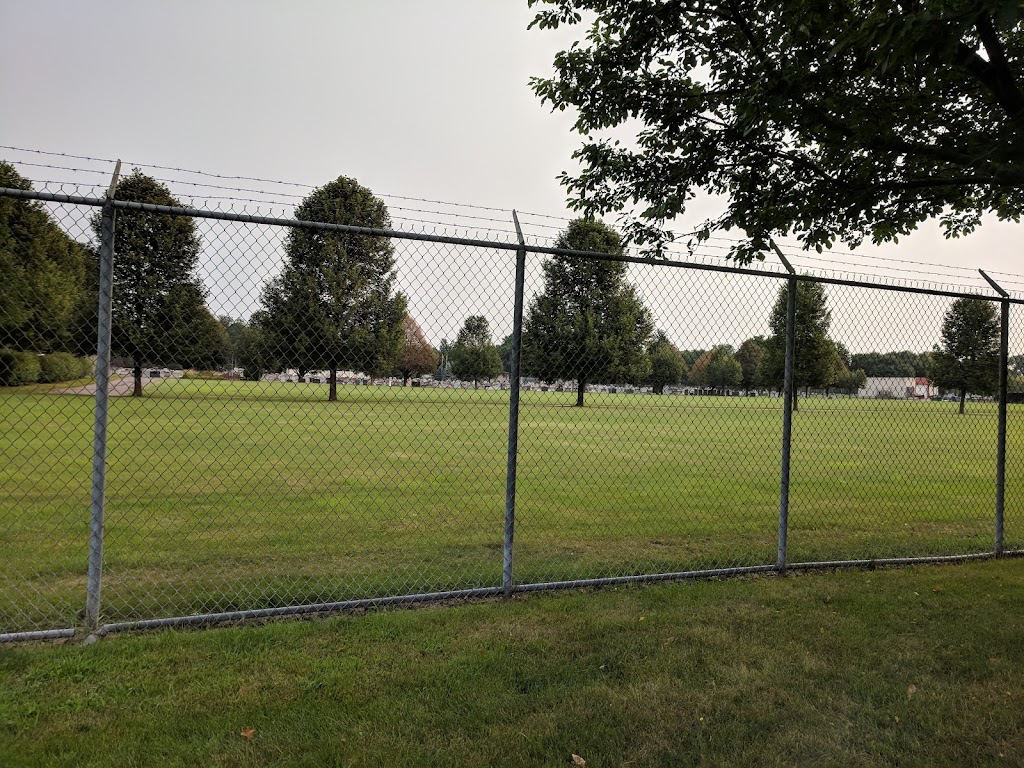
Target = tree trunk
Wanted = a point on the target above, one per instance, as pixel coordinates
(581, 387)
(963, 397)
(474, 383)
(137, 373)
(796, 400)
(333, 392)
(405, 379)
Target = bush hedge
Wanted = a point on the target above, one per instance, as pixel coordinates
(60, 366)
(18, 368)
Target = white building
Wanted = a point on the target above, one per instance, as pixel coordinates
(896, 388)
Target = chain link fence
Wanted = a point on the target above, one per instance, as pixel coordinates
(306, 415)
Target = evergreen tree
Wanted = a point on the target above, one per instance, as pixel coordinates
(334, 306)
(588, 324)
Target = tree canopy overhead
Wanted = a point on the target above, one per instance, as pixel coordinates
(828, 121)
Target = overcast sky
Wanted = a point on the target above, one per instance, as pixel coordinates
(411, 98)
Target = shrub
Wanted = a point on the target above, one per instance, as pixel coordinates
(60, 366)
(18, 368)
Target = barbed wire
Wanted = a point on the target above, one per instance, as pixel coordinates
(890, 267)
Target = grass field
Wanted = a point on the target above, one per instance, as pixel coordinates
(919, 666)
(226, 495)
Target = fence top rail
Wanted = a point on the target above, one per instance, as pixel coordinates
(245, 218)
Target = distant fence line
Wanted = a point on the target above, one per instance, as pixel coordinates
(37, 605)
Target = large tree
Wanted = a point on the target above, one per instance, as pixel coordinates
(588, 324)
(820, 119)
(416, 356)
(474, 356)
(334, 306)
(43, 274)
(159, 311)
(814, 352)
(967, 359)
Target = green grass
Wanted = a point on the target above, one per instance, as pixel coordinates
(225, 495)
(921, 666)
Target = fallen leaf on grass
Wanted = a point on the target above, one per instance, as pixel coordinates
(936, 588)
(911, 690)
(577, 760)
(248, 733)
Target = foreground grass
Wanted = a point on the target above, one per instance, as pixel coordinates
(922, 666)
(228, 495)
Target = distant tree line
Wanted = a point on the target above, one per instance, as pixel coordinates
(334, 307)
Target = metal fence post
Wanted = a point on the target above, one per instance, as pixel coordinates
(513, 414)
(1004, 343)
(99, 449)
(787, 412)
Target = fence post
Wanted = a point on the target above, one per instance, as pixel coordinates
(99, 444)
(513, 414)
(1004, 343)
(787, 412)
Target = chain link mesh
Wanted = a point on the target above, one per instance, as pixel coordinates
(236, 482)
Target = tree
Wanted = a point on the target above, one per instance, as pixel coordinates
(749, 355)
(416, 356)
(333, 306)
(842, 377)
(828, 121)
(235, 329)
(253, 353)
(505, 352)
(159, 311)
(667, 365)
(43, 272)
(588, 324)
(473, 356)
(813, 351)
(444, 360)
(718, 368)
(967, 359)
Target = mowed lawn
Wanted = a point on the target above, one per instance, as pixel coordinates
(920, 666)
(225, 495)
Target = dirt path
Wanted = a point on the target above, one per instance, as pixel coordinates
(120, 386)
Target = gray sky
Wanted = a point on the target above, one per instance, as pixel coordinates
(423, 100)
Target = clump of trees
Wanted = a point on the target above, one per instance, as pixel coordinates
(717, 368)
(588, 323)
(43, 274)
